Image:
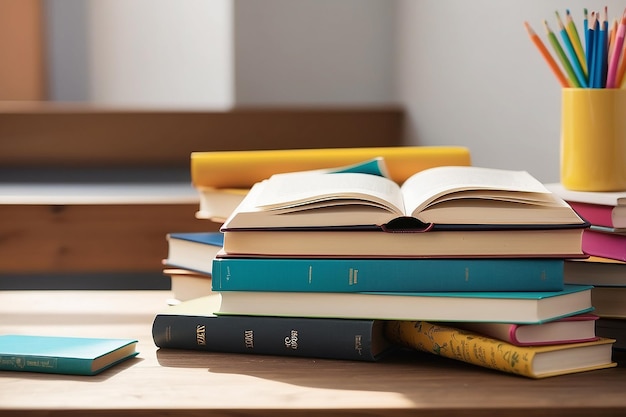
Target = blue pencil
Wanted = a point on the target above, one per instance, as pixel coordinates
(600, 52)
(578, 69)
(605, 48)
(591, 41)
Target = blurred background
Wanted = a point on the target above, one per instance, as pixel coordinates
(465, 73)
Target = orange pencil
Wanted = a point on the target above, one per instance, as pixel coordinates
(546, 55)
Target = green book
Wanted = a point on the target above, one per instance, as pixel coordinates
(63, 355)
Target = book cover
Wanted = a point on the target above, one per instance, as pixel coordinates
(556, 243)
(440, 197)
(194, 250)
(190, 325)
(368, 274)
(242, 169)
(604, 244)
(595, 270)
(528, 361)
(601, 215)
(571, 329)
(503, 307)
(63, 355)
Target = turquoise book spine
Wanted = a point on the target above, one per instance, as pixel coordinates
(387, 275)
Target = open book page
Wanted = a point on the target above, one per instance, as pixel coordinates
(284, 192)
(451, 183)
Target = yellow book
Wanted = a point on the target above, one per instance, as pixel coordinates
(241, 169)
(529, 361)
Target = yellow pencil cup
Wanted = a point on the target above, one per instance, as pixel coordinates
(593, 139)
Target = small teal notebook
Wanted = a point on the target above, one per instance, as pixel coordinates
(63, 355)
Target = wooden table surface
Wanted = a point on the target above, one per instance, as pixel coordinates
(186, 383)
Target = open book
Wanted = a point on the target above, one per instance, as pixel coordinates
(440, 197)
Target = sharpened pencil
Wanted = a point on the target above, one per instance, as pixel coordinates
(616, 53)
(572, 32)
(561, 55)
(578, 69)
(591, 46)
(546, 56)
(602, 50)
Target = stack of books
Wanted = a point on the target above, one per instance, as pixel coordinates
(346, 264)
(224, 178)
(605, 268)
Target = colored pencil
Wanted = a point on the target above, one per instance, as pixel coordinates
(546, 56)
(616, 53)
(591, 46)
(561, 55)
(578, 69)
(602, 50)
(621, 72)
(572, 31)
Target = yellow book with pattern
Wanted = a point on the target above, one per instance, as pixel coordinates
(529, 361)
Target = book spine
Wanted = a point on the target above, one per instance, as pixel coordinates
(606, 245)
(321, 338)
(357, 275)
(594, 213)
(462, 346)
(45, 364)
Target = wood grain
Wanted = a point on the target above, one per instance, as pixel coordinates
(91, 238)
(187, 383)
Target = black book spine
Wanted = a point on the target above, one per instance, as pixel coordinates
(306, 337)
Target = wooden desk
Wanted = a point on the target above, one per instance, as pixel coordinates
(167, 383)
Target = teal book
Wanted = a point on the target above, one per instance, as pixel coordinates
(500, 307)
(386, 274)
(63, 355)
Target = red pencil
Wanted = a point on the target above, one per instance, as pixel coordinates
(546, 55)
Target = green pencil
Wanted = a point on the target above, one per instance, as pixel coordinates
(562, 57)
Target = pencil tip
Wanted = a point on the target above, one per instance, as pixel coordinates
(528, 28)
(545, 24)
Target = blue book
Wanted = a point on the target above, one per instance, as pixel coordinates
(401, 274)
(497, 307)
(63, 355)
(193, 251)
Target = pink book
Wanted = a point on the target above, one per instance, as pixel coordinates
(572, 329)
(597, 214)
(604, 244)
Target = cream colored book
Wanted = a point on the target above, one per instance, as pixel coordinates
(217, 204)
(449, 196)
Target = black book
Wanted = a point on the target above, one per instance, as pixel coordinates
(191, 325)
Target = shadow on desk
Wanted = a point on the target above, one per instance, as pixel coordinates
(400, 369)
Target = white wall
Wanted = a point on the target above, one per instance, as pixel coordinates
(148, 53)
(314, 52)
(469, 75)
